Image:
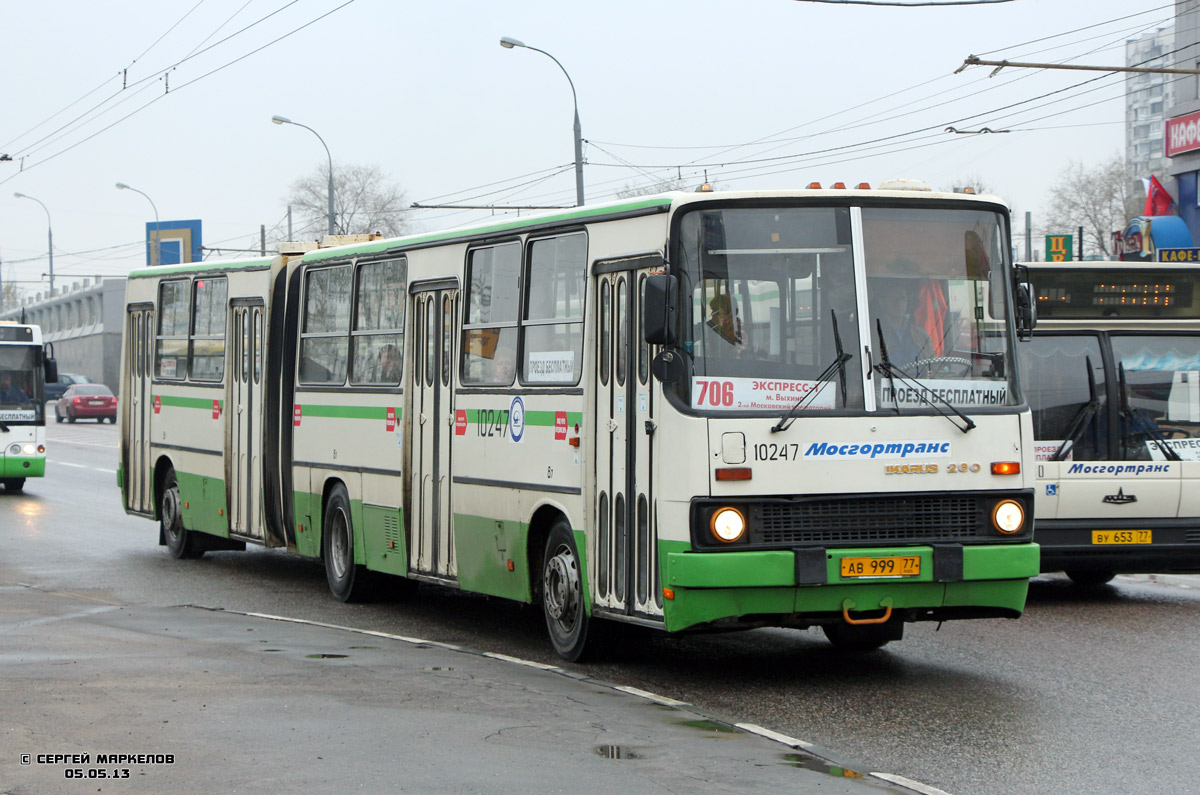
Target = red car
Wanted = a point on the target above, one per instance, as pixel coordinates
(83, 401)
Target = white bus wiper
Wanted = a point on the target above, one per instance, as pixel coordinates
(885, 367)
(1082, 417)
(1147, 428)
(838, 364)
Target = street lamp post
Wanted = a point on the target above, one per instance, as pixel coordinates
(508, 43)
(156, 249)
(49, 238)
(286, 120)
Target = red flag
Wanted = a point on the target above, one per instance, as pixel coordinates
(1158, 201)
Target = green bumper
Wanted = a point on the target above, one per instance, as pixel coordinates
(712, 586)
(12, 466)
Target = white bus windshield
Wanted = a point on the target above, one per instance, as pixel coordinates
(771, 300)
(18, 377)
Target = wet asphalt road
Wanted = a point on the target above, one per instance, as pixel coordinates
(1094, 691)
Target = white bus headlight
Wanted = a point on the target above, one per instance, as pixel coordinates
(728, 524)
(28, 449)
(15, 449)
(1008, 516)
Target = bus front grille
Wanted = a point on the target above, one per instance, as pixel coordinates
(889, 518)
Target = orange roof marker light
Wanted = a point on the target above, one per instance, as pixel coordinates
(839, 186)
(814, 186)
(864, 186)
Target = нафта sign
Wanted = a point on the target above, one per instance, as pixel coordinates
(1183, 134)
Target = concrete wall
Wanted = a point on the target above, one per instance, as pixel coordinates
(84, 323)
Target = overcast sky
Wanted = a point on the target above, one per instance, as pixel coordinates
(174, 97)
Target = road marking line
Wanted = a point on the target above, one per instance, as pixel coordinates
(68, 464)
(908, 783)
(754, 728)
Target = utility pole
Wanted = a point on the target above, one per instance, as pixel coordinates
(1080, 255)
(262, 239)
(1028, 236)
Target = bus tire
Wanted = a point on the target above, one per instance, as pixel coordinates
(348, 582)
(1090, 579)
(181, 543)
(562, 594)
(849, 638)
(14, 484)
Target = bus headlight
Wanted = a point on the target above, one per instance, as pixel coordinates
(727, 524)
(1008, 516)
(14, 449)
(28, 449)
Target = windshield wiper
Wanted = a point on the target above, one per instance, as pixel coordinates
(1148, 428)
(838, 364)
(885, 367)
(1082, 417)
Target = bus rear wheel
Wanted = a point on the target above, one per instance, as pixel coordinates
(14, 484)
(348, 582)
(562, 594)
(181, 543)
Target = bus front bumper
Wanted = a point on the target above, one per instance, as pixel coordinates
(779, 587)
(15, 466)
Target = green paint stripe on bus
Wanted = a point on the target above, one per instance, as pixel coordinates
(187, 402)
(416, 240)
(543, 418)
(349, 412)
(200, 267)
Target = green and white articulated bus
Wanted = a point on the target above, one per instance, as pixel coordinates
(674, 411)
(1113, 378)
(24, 368)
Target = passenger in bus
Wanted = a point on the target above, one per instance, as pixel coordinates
(10, 392)
(389, 364)
(721, 332)
(906, 341)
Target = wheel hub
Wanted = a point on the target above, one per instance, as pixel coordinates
(562, 586)
(170, 510)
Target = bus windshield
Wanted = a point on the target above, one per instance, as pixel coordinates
(1160, 400)
(771, 301)
(19, 374)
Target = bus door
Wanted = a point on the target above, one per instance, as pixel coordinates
(626, 554)
(139, 407)
(430, 525)
(244, 419)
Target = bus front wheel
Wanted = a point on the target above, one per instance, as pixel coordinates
(348, 582)
(14, 484)
(1091, 579)
(562, 594)
(181, 543)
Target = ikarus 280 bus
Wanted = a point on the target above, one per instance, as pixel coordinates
(24, 368)
(691, 411)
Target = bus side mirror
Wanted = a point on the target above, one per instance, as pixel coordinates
(49, 365)
(659, 307)
(1024, 302)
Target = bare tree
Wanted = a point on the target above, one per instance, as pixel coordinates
(365, 200)
(1101, 199)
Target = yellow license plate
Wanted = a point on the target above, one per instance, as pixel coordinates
(1121, 536)
(895, 566)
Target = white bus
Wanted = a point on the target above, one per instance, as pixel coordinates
(673, 411)
(1113, 377)
(24, 368)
